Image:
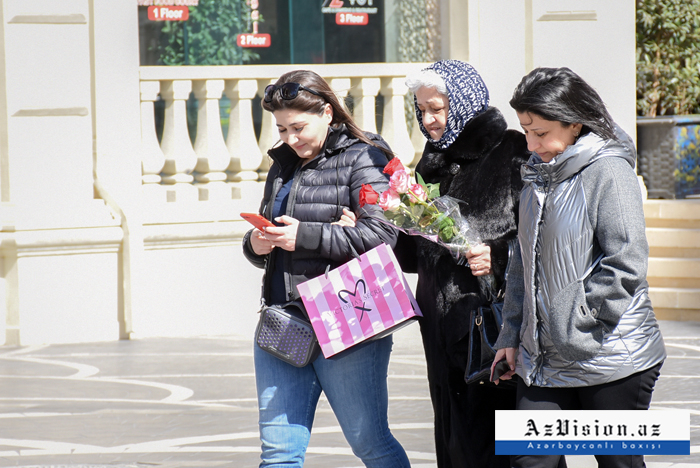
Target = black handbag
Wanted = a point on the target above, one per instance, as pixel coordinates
(285, 332)
(485, 325)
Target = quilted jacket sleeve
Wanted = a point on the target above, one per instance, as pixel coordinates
(340, 243)
(255, 259)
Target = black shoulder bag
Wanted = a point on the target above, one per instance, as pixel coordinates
(485, 325)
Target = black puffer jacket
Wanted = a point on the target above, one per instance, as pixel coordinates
(320, 191)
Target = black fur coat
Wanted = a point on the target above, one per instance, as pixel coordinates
(481, 168)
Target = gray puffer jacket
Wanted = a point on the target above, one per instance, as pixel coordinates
(320, 190)
(577, 302)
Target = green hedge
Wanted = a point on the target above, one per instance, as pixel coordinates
(210, 38)
(668, 57)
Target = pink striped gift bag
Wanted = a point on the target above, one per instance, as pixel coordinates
(367, 297)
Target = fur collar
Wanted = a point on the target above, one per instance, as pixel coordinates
(483, 133)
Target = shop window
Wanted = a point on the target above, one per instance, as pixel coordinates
(233, 32)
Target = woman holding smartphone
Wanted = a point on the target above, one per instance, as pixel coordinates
(312, 195)
(579, 328)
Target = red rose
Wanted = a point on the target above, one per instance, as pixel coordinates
(393, 166)
(368, 195)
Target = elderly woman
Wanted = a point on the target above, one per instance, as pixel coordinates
(476, 159)
(577, 312)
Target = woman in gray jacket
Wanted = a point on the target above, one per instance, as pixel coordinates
(579, 328)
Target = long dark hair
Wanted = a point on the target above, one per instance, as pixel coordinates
(309, 102)
(559, 94)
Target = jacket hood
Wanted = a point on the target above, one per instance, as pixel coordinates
(587, 149)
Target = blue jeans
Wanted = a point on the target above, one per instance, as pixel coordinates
(354, 383)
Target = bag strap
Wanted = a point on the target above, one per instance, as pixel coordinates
(511, 249)
(486, 283)
(298, 304)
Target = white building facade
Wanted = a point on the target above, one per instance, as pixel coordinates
(108, 233)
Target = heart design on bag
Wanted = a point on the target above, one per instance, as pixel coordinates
(343, 296)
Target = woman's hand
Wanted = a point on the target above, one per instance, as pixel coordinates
(260, 245)
(509, 355)
(348, 219)
(284, 237)
(479, 258)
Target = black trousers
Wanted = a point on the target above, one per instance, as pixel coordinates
(464, 414)
(630, 393)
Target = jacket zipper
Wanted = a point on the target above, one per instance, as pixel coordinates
(267, 212)
(287, 257)
(544, 189)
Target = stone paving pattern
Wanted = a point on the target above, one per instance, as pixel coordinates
(190, 402)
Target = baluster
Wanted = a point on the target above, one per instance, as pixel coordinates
(180, 157)
(341, 88)
(212, 155)
(152, 158)
(241, 143)
(418, 140)
(394, 129)
(268, 132)
(364, 92)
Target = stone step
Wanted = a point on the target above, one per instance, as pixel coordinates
(675, 303)
(673, 232)
(673, 242)
(674, 272)
(681, 298)
(674, 268)
(684, 214)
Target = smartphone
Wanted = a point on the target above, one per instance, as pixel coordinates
(257, 220)
(501, 368)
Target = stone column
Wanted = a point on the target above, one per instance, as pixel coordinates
(212, 155)
(246, 157)
(268, 131)
(364, 91)
(394, 129)
(152, 157)
(180, 158)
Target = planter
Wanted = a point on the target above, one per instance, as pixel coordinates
(669, 155)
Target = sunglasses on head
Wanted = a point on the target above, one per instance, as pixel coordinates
(287, 91)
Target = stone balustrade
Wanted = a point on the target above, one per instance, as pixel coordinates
(219, 168)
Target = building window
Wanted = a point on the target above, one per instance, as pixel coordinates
(235, 32)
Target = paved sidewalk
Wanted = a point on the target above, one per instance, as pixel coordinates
(191, 403)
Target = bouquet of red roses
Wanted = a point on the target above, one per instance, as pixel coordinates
(416, 208)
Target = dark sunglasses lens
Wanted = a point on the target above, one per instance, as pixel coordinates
(269, 91)
(289, 90)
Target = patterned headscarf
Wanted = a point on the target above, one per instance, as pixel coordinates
(467, 95)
